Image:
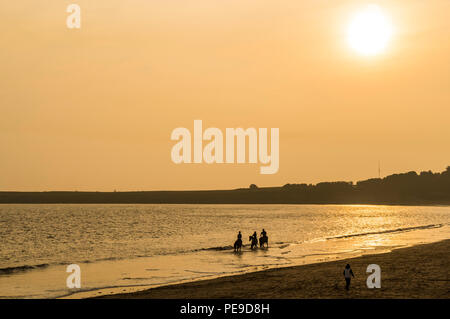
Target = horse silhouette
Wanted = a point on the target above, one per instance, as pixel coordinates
(254, 242)
(238, 245)
(263, 241)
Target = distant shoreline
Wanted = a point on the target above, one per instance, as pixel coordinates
(420, 271)
(424, 189)
(228, 203)
(262, 196)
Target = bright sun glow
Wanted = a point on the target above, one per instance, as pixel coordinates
(369, 31)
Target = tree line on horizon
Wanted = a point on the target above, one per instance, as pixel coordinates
(411, 188)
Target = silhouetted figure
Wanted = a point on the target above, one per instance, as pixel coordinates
(253, 238)
(348, 274)
(238, 242)
(263, 239)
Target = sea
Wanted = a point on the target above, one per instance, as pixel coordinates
(131, 247)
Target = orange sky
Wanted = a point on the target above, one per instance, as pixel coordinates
(93, 109)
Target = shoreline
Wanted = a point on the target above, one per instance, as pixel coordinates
(420, 271)
(413, 204)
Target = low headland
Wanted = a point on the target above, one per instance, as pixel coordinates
(425, 188)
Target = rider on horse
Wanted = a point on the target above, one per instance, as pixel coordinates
(238, 242)
(263, 240)
(254, 239)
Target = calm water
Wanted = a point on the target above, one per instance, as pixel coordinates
(122, 247)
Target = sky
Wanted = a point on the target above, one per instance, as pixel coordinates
(93, 108)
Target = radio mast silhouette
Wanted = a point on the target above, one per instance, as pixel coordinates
(379, 170)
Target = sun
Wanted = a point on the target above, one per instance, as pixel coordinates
(369, 31)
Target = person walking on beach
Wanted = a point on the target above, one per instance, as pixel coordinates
(348, 274)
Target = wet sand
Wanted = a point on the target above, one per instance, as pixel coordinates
(421, 271)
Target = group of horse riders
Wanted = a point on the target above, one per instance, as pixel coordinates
(263, 240)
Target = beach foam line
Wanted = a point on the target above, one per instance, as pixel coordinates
(396, 230)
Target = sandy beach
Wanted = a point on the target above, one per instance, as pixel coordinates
(421, 271)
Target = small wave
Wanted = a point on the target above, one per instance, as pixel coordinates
(9, 270)
(228, 247)
(219, 248)
(396, 230)
(88, 261)
(203, 272)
